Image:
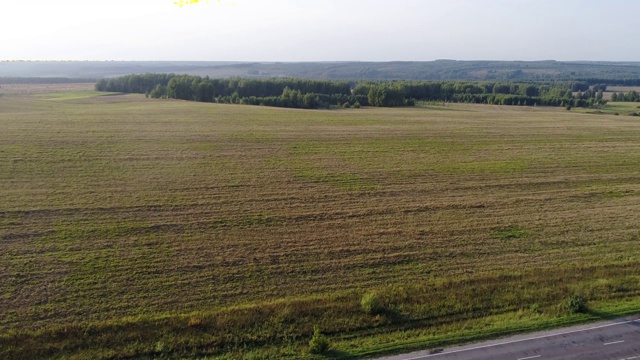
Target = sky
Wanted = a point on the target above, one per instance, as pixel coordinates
(314, 30)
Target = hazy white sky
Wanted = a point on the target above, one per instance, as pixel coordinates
(314, 30)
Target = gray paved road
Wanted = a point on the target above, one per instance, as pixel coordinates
(615, 340)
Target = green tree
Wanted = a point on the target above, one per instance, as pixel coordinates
(502, 89)
(388, 96)
(158, 92)
(530, 90)
(180, 88)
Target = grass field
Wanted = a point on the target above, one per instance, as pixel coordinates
(142, 228)
(613, 108)
(53, 89)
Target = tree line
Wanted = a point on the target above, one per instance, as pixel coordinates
(611, 81)
(310, 94)
(189, 87)
(631, 96)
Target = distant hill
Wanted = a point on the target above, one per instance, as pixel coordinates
(419, 70)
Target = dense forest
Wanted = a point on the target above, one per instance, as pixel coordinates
(311, 94)
(292, 93)
(611, 73)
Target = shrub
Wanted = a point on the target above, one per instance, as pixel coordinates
(346, 105)
(568, 107)
(576, 304)
(319, 344)
(356, 105)
(371, 303)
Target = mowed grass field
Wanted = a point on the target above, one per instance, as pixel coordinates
(132, 227)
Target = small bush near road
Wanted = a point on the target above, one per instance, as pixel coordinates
(319, 344)
(576, 304)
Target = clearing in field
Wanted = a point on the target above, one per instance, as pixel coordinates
(132, 227)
